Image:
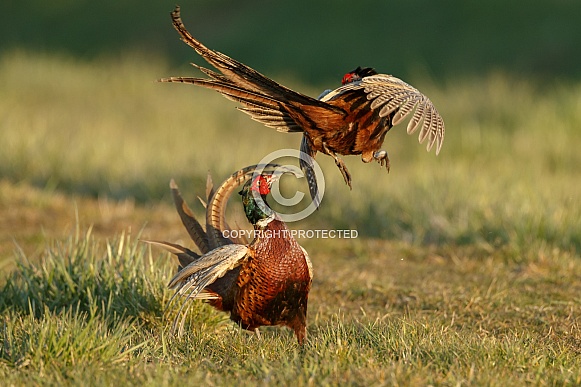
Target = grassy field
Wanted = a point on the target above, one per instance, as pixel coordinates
(466, 270)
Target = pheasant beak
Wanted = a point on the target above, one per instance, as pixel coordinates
(263, 182)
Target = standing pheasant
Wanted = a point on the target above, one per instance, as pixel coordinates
(266, 282)
(350, 120)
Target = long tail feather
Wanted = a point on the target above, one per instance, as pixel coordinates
(185, 255)
(236, 72)
(188, 219)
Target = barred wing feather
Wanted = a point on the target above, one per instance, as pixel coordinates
(391, 94)
(208, 268)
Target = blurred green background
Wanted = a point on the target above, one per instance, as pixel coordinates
(317, 41)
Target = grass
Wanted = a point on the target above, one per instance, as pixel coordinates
(465, 271)
(99, 306)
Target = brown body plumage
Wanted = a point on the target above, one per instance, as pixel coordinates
(350, 120)
(273, 285)
(266, 282)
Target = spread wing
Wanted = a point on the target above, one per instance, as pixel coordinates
(389, 95)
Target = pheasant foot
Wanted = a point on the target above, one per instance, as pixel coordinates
(382, 158)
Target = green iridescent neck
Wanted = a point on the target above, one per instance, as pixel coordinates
(252, 209)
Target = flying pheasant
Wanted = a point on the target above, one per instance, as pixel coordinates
(266, 282)
(350, 120)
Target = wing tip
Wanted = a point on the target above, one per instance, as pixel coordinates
(439, 143)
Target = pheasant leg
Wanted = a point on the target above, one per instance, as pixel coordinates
(340, 164)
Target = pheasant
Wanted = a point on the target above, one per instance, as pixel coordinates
(263, 283)
(350, 120)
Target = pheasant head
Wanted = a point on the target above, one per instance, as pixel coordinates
(357, 74)
(254, 197)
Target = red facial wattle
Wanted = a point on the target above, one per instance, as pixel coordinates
(262, 185)
(347, 78)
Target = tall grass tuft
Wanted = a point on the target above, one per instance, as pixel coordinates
(76, 274)
(83, 305)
